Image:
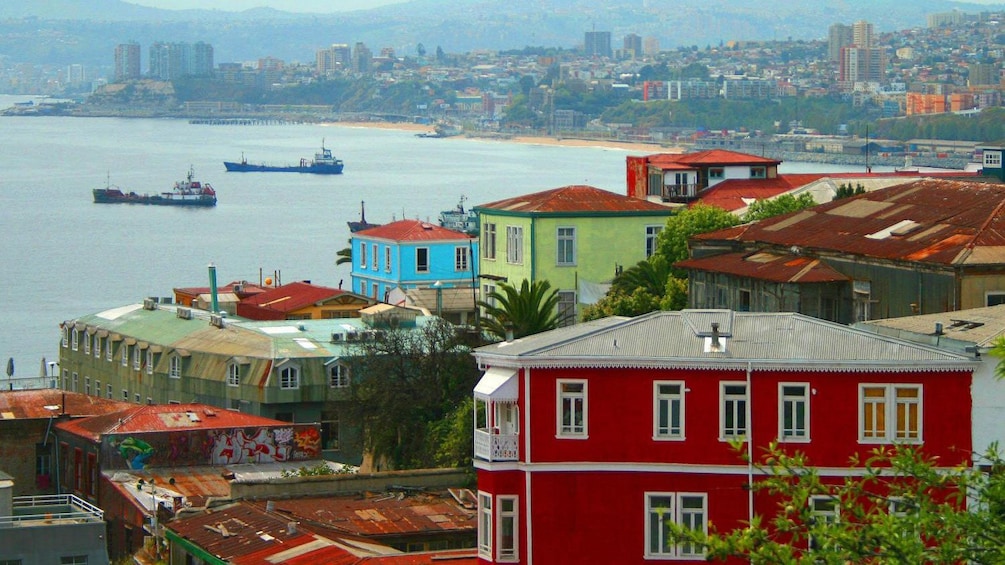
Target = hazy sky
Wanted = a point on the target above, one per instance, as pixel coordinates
(314, 6)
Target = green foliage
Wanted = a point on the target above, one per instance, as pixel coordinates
(633, 303)
(531, 309)
(404, 386)
(846, 190)
(454, 435)
(321, 469)
(344, 255)
(671, 243)
(988, 125)
(899, 507)
(763, 209)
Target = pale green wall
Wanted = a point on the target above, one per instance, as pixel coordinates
(499, 267)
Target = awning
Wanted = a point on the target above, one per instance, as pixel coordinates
(498, 385)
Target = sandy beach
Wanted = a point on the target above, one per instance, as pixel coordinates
(646, 148)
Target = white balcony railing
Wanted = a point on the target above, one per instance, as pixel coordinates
(496, 447)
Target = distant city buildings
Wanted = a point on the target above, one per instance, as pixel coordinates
(127, 61)
(597, 44)
(632, 46)
(169, 61)
(861, 61)
(332, 59)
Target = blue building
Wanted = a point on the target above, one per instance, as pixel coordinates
(412, 254)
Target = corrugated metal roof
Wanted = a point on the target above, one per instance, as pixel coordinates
(237, 530)
(710, 157)
(734, 194)
(412, 230)
(766, 266)
(978, 326)
(164, 417)
(674, 339)
(577, 198)
(958, 223)
(21, 404)
(292, 296)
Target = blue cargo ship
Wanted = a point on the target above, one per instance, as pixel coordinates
(324, 163)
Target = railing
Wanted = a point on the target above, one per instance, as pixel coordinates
(680, 192)
(496, 447)
(51, 509)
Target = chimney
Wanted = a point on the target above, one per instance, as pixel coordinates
(215, 304)
(715, 335)
(938, 328)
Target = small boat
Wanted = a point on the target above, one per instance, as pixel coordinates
(362, 224)
(460, 219)
(323, 163)
(185, 193)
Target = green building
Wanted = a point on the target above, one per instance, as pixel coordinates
(575, 237)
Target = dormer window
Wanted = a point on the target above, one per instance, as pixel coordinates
(758, 172)
(716, 173)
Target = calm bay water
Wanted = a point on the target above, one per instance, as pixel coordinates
(63, 256)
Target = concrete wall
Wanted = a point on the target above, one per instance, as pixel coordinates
(345, 484)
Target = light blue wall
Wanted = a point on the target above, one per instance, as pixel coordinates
(402, 271)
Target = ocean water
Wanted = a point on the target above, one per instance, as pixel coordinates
(62, 256)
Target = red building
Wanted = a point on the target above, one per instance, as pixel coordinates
(590, 439)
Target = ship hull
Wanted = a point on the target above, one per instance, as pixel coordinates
(316, 169)
(105, 196)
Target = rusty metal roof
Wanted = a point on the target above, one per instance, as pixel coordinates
(712, 157)
(292, 296)
(576, 198)
(931, 221)
(412, 230)
(163, 417)
(734, 194)
(24, 404)
(767, 266)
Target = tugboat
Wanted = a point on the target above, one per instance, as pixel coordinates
(324, 163)
(185, 193)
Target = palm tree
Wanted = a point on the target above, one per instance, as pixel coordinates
(531, 309)
(650, 274)
(344, 255)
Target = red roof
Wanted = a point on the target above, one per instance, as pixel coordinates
(576, 198)
(24, 404)
(927, 221)
(766, 266)
(245, 287)
(734, 194)
(412, 230)
(164, 417)
(275, 303)
(708, 158)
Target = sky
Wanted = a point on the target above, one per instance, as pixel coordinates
(312, 6)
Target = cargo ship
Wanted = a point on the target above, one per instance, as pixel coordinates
(185, 193)
(323, 163)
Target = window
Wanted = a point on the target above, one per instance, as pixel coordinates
(460, 258)
(75, 382)
(43, 460)
(375, 289)
(174, 367)
(137, 398)
(758, 172)
(507, 528)
(137, 358)
(488, 241)
(487, 290)
(716, 172)
(66, 379)
(879, 405)
(125, 354)
(387, 259)
(76, 339)
(734, 410)
(566, 307)
(108, 350)
(992, 158)
(289, 377)
(823, 508)
(994, 298)
(794, 412)
(376, 258)
(125, 395)
(108, 392)
(97, 347)
(485, 525)
(687, 510)
(362, 255)
(743, 303)
(150, 362)
(330, 431)
(87, 386)
(64, 336)
(572, 409)
(422, 260)
(87, 344)
(73, 560)
(566, 247)
(233, 374)
(97, 387)
(338, 376)
(651, 235)
(668, 410)
(514, 245)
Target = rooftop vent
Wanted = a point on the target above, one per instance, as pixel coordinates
(715, 343)
(216, 320)
(150, 304)
(184, 313)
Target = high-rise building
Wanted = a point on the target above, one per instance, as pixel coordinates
(127, 61)
(861, 34)
(362, 58)
(651, 46)
(169, 61)
(202, 59)
(332, 59)
(861, 61)
(982, 74)
(838, 36)
(598, 44)
(632, 46)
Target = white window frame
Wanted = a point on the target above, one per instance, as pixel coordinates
(87, 386)
(514, 245)
(376, 255)
(233, 374)
(137, 358)
(76, 381)
(566, 307)
(387, 259)
(124, 354)
(87, 343)
(97, 388)
(730, 402)
(174, 367)
(992, 158)
(97, 346)
(108, 349)
(565, 245)
(485, 525)
(461, 260)
(150, 361)
(512, 516)
(571, 430)
(427, 267)
(891, 432)
(108, 391)
(678, 515)
(289, 377)
(652, 235)
(65, 336)
(125, 395)
(75, 339)
(666, 431)
(338, 376)
(362, 255)
(784, 401)
(488, 241)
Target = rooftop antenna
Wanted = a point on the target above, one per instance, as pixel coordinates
(868, 169)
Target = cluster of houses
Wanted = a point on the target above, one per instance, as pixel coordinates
(187, 428)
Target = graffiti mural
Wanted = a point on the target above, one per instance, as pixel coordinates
(212, 447)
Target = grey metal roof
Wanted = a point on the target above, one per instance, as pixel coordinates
(681, 339)
(976, 326)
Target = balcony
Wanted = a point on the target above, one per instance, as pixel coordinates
(47, 510)
(496, 447)
(680, 193)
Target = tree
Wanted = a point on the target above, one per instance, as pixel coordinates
(344, 255)
(531, 309)
(845, 190)
(671, 243)
(405, 388)
(899, 507)
(767, 208)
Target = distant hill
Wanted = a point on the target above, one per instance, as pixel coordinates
(86, 31)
